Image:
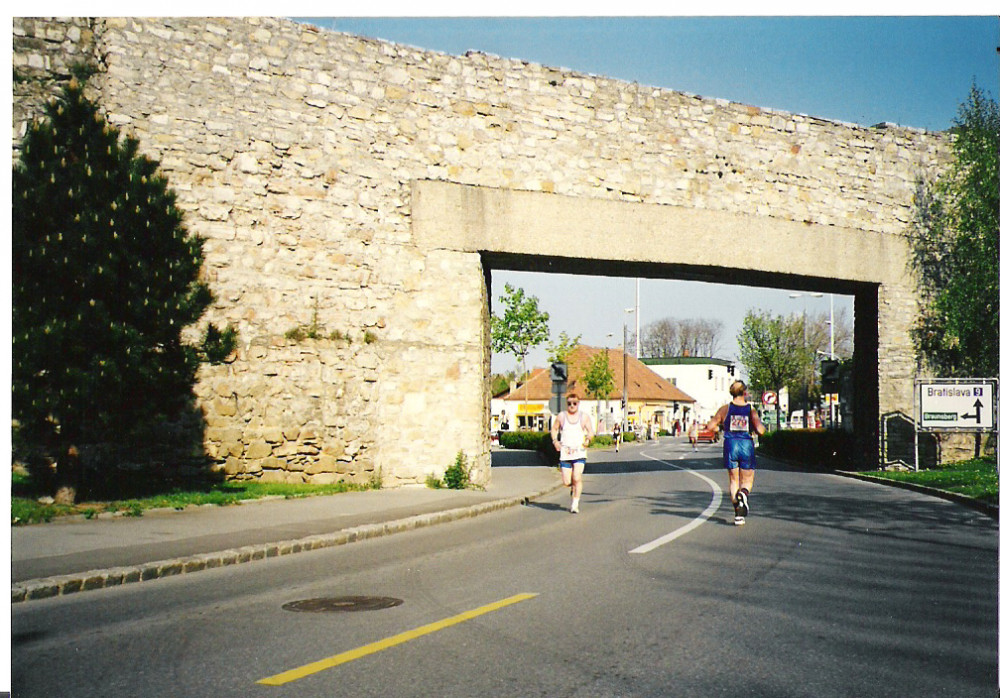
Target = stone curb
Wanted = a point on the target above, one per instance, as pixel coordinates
(988, 508)
(48, 587)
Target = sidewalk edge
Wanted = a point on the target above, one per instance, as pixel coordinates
(61, 585)
(988, 508)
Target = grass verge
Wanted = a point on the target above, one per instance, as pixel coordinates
(976, 478)
(28, 510)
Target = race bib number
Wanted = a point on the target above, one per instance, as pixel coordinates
(572, 453)
(739, 422)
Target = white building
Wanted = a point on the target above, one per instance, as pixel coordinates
(706, 380)
(652, 400)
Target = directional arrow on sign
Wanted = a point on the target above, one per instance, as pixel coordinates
(979, 412)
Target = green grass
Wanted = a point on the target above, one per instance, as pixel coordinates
(25, 509)
(976, 478)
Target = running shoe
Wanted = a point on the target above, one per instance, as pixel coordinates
(742, 503)
(739, 520)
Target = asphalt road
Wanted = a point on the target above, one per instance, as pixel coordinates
(834, 587)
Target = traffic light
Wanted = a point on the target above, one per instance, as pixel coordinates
(830, 376)
(558, 372)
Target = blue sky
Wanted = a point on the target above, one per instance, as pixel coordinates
(908, 70)
(912, 71)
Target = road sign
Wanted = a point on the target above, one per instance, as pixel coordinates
(959, 404)
(558, 372)
(769, 398)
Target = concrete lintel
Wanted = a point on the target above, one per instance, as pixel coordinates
(503, 221)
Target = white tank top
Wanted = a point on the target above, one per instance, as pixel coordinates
(572, 437)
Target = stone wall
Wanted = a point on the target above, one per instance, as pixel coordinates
(294, 152)
(44, 53)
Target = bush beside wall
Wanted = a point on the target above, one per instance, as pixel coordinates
(826, 449)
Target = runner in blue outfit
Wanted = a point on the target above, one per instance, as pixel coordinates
(739, 422)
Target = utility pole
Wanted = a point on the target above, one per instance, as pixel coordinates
(637, 354)
(624, 378)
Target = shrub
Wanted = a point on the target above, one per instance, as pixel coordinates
(456, 477)
(540, 441)
(829, 449)
(528, 440)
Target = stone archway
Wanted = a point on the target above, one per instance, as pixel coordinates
(545, 232)
(375, 185)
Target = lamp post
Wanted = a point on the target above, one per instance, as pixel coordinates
(833, 357)
(805, 346)
(607, 408)
(636, 317)
(625, 370)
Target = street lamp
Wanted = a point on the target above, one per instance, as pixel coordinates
(805, 345)
(832, 355)
(607, 406)
(625, 370)
(636, 317)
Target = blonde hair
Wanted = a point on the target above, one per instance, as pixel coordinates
(738, 388)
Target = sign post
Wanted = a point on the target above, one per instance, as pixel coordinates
(953, 404)
(558, 374)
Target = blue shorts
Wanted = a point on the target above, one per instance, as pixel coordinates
(739, 453)
(571, 463)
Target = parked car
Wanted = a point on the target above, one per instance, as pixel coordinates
(703, 435)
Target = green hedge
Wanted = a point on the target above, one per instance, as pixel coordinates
(540, 441)
(827, 449)
(529, 440)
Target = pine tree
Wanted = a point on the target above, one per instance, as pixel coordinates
(105, 279)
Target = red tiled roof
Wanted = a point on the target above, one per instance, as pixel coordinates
(643, 383)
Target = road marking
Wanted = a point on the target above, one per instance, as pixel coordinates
(691, 525)
(351, 655)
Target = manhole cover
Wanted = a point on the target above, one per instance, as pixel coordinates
(342, 603)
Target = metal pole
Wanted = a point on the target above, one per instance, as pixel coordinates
(624, 378)
(637, 354)
(916, 427)
(832, 357)
(805, 386)
(833, 422)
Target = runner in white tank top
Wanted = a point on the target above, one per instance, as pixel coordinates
(571, 434)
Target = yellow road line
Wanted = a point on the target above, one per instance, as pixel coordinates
(364, 651)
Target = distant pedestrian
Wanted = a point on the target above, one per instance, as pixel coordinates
(739, 422)
(693, 435)
(571, 434)
(617, 433)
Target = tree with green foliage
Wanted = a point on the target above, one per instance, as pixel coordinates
(522, 327)
(105, 278)
(954, 245)
(598, 379)
(560, 351)
(773, 351)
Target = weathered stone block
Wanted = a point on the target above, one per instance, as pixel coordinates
(258, 449)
